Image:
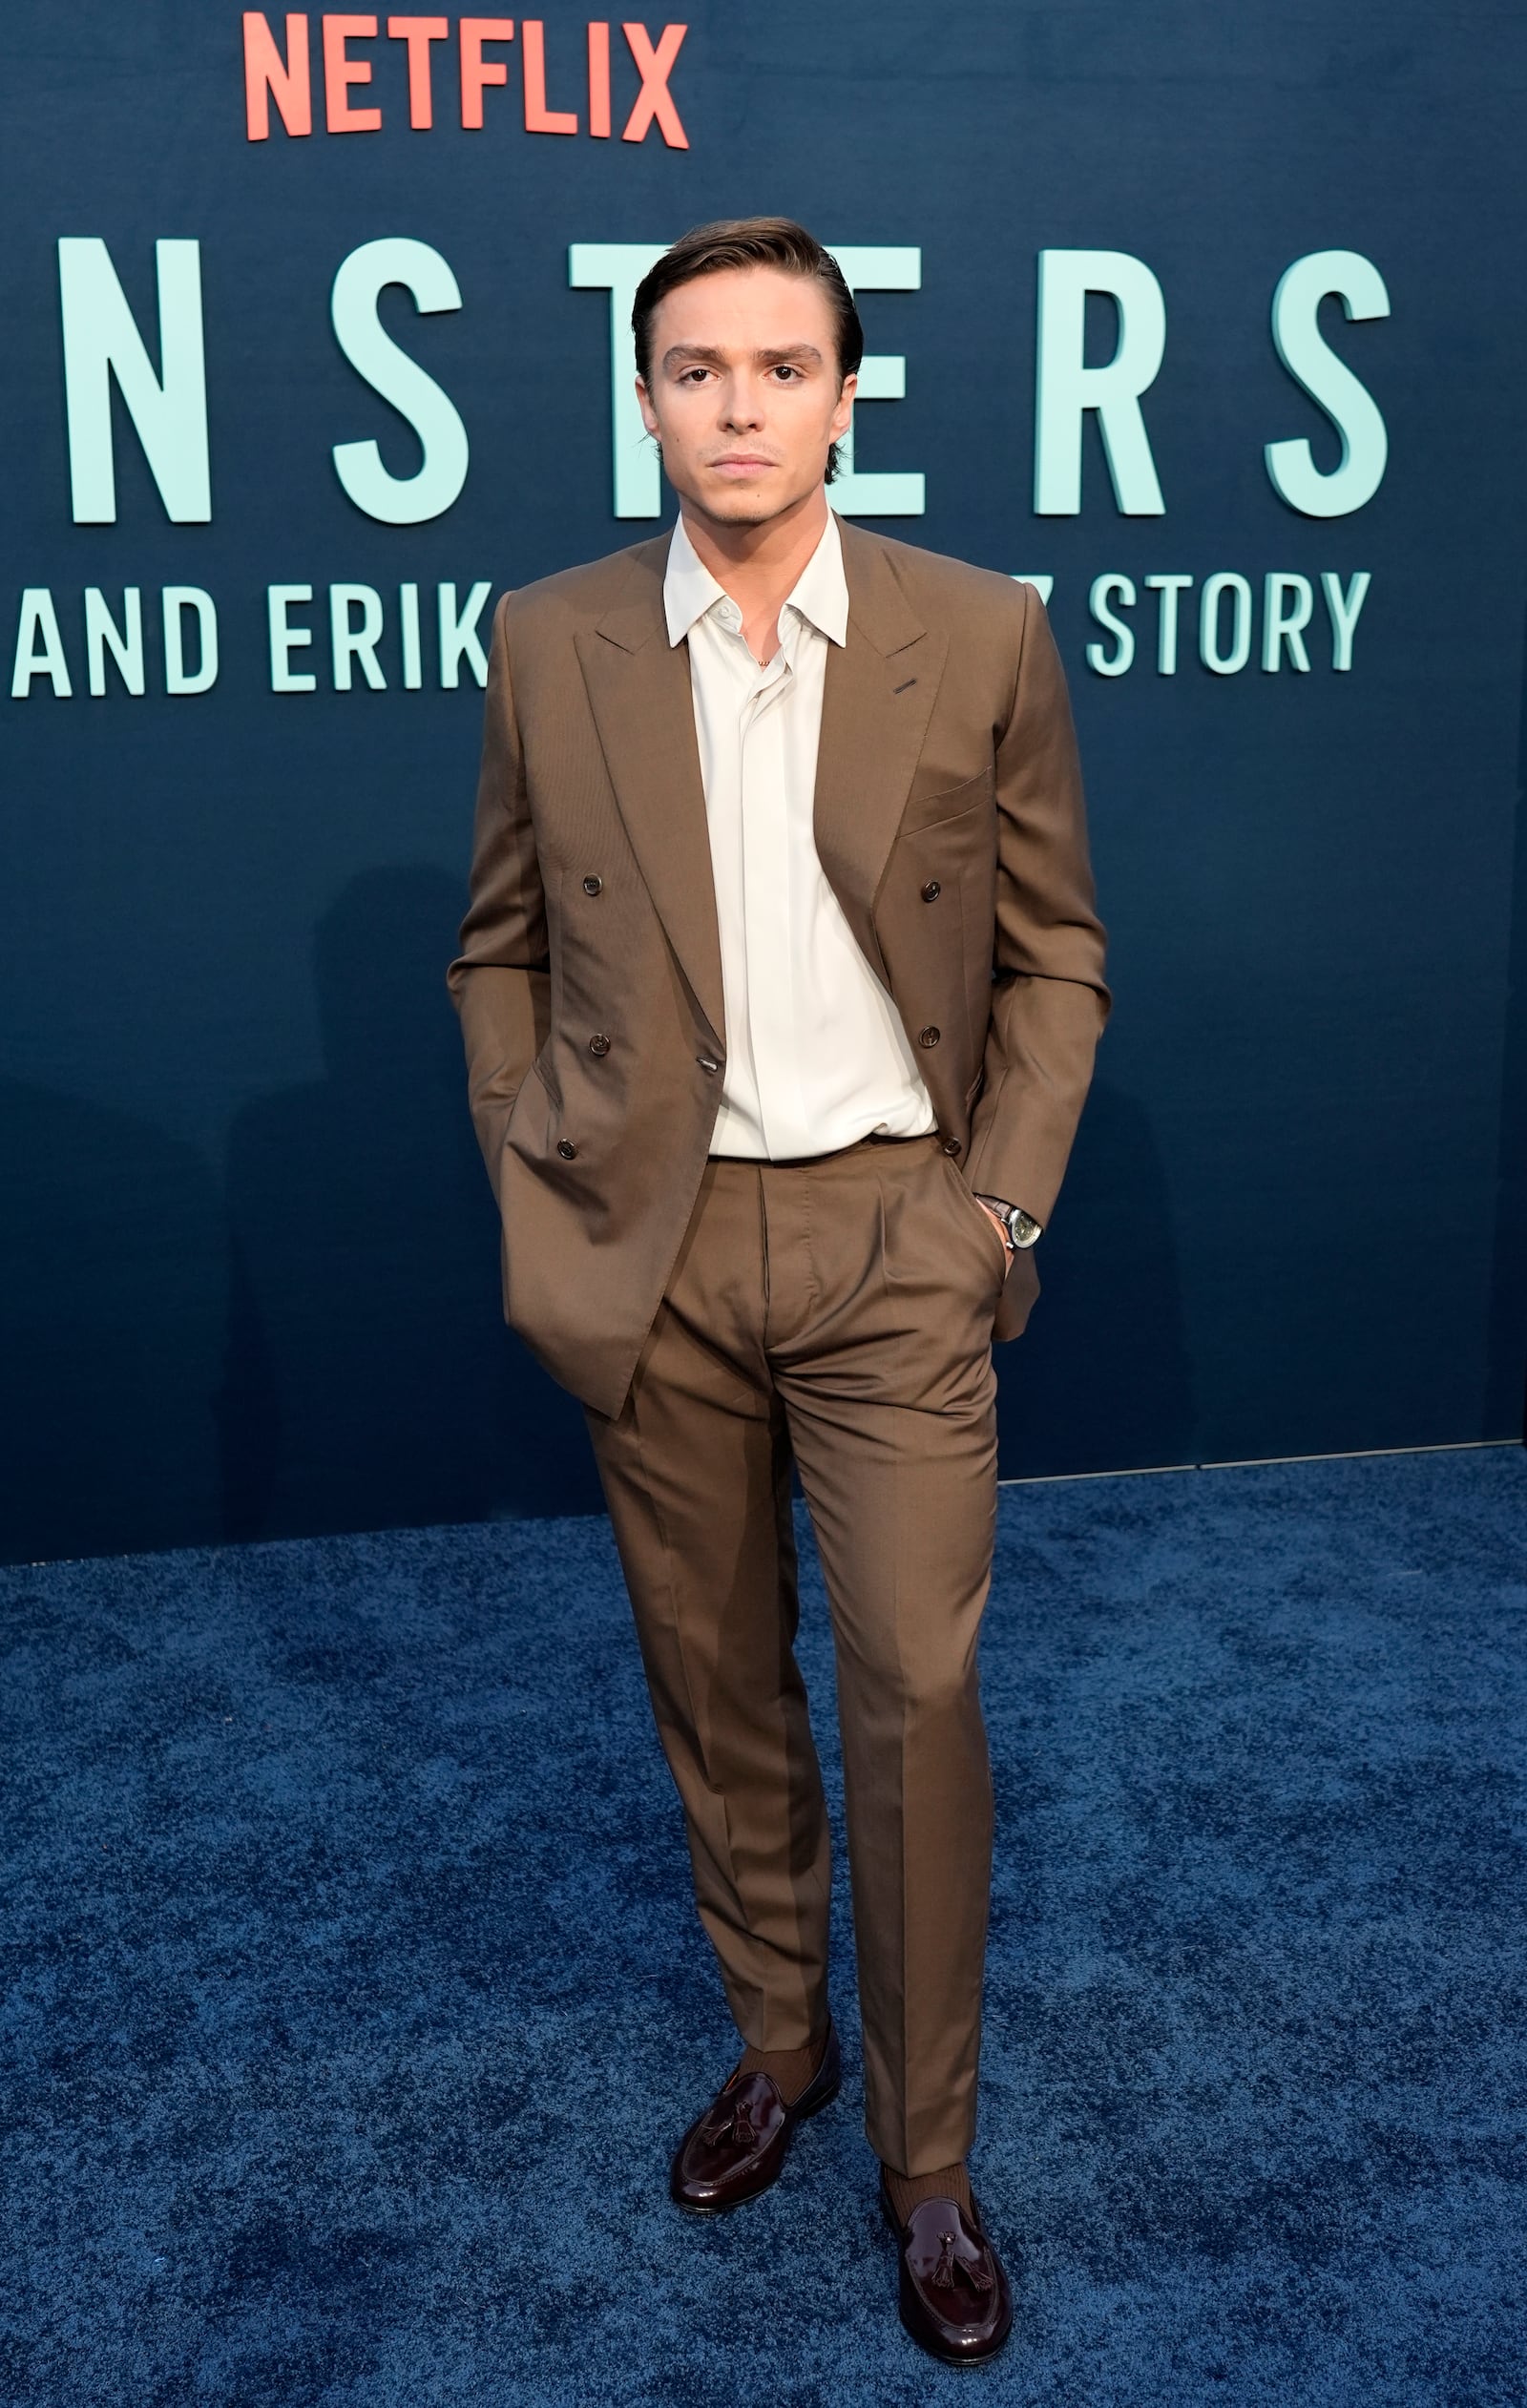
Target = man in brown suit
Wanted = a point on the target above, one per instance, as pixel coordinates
(780, 984)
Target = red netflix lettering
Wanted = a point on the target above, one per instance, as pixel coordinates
(340, 71)
(419, 32)
(475, 69)
(654, 99)
(268, 77)
(286, 78)
(600, 81)
(539, 117)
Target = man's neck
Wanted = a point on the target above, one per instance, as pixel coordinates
(758, 566)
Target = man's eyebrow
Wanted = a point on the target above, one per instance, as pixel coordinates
(705, 355)
(692, 353)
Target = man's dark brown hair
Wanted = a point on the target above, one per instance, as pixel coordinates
(751, 243)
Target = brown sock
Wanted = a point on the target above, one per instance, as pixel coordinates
(790, 2068)
(909, 2190)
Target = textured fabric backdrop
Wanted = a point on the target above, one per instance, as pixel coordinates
(250, 1280)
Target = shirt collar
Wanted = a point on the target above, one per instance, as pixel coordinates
(820, 593)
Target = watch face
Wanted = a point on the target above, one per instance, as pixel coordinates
(1021, 1226)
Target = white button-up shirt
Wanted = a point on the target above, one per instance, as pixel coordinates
(815, 1054)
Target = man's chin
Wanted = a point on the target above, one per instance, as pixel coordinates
(741, 509)
(746, 505)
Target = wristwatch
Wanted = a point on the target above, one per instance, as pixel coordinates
(1021, 1226)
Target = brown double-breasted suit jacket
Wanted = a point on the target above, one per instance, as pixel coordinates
(948, 820)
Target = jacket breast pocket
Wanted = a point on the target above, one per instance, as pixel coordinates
(949, 802)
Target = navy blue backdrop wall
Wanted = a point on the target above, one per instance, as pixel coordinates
(249, 1252)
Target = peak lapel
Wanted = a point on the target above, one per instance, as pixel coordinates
(639, 691)
(877, 700)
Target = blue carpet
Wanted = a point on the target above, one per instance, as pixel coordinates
(353, 1995)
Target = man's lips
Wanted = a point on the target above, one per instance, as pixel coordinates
(743, 460)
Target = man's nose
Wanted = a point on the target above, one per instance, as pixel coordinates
(743, 404)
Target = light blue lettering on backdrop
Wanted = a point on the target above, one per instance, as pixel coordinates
(1104, 590)
(40, 645)
(1169, 584)
(1356, 283)
(1066, 388)
(168, 411)
(124, 643)
(1226, 609)
(356, 624)
(398, 501)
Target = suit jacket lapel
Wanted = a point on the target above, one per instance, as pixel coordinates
(877, 700)
(639, 691)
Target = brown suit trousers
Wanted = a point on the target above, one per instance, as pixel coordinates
(715, 1317)
(838, 1310)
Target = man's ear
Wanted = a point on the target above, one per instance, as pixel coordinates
(649, 416)
(843, 411)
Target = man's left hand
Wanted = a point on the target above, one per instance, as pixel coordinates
(999, 1225)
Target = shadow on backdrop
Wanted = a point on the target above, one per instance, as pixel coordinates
(111, 1317)
(1100, 1378)
(370, 1381)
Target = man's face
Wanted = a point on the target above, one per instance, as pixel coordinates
(744, 395)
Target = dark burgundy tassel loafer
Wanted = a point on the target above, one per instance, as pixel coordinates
(737, 2147)
(955, 2297)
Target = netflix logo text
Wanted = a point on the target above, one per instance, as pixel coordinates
(370, 76)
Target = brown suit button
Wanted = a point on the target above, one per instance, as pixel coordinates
(567, 1150)
(592, 886)
(598, 1045)
(952, 1146)
(931, 891)
(928, 1036)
